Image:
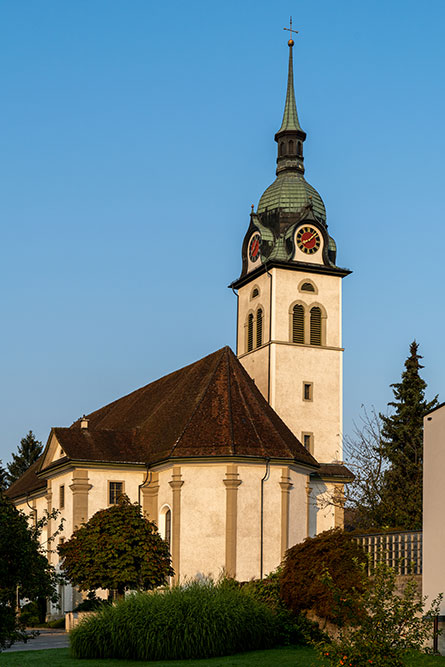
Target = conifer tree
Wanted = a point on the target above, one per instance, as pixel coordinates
(3, 478)
(402, 446)
(28, 452)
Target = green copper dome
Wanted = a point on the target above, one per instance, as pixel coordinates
(291, 193)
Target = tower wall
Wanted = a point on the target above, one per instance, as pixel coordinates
(281, 367)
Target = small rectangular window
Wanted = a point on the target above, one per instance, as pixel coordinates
(62, 496)
(115, 490)
(308, 391)
(308, 441)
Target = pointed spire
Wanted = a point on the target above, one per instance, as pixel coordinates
(290, 136)
(290, 116)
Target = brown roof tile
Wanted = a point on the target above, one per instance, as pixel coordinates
(210, 408)
(335, 470)
(28, 482)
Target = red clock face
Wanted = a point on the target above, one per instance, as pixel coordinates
(254, 248)
(308, 240)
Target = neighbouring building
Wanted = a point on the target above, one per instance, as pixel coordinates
(236, 458)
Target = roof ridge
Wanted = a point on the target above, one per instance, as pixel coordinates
(176, 443)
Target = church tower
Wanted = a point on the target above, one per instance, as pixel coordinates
(289, 299)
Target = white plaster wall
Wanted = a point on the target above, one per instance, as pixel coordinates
(297, 507)
(99, 478)
(246, 305)
(203, 520)
(272, 519)
(295, 364)
(433, 509)
(322, 511)
(248, 542)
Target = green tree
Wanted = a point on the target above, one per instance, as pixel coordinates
(24, 569)
(118, 549)
(28, 452)
(3, 477)
(402, 446)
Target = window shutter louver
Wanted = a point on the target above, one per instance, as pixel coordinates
(250, 333)
(307, 287)
(259, 328)
(298, 324)
(315, 326)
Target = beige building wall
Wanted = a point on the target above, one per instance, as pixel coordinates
(280, 367)
(433, 509)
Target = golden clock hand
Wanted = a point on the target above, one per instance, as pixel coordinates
(310, 238)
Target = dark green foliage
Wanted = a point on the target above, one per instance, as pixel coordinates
(305, 564)
(22, 565)
(382, 624)
(91, 603)
(28, 452)
(3, 478)
(402, 446)
(117, 549)
(29, 614)
(199, 620)
(293, 629)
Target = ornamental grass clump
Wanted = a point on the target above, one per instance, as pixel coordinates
(198, 620)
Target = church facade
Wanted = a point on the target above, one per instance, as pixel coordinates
(235, 457)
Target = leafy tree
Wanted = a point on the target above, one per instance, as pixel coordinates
(24, 569)
(382, 623)
(118, 549)
(402, 446)
(28, 452)
(334, 551)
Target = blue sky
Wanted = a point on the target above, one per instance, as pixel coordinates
(134, 136)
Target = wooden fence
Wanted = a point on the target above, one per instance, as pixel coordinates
(401, 550)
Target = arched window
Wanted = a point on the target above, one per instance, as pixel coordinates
(259, 327)
(291, 146)
(282, 148)
(307, 287)
(298, 324)
(299, 149)
(168, 528)
(250, 332)
(315, 325)
(255, 293)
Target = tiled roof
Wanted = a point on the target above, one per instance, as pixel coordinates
(27, 483)
(338, 470)
(210, 408)
(290, 192)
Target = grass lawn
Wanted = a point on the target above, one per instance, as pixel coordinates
(295, 656)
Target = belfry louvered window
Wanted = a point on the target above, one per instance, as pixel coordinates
(259, 327)
(315, 326)
(307, 287)
(298, 324)
(250, 332)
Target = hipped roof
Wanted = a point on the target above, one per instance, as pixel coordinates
(209, 408)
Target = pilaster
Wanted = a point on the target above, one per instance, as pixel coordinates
(308, 508)
(49, 507)
(231, 482)
(80, 488)
(176, 484)
(286, 486)
(339, 511)
(150, 497)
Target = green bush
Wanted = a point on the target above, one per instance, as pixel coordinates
(198, 620)
(29, 614)
(305, 564)
(292, 629)
(389, 624)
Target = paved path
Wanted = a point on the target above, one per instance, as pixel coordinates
(48, 638)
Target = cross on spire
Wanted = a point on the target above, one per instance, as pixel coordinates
(290, 28)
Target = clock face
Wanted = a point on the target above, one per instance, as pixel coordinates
(308, 240)
(254, 247)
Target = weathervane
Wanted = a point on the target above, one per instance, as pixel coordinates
(291, 30)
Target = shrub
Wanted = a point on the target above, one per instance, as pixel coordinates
(198, 620)
(388, 624)
(334, 552)
(292, 629)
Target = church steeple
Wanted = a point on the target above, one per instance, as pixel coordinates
(290, 136)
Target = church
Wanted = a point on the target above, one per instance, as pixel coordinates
(236, 457)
